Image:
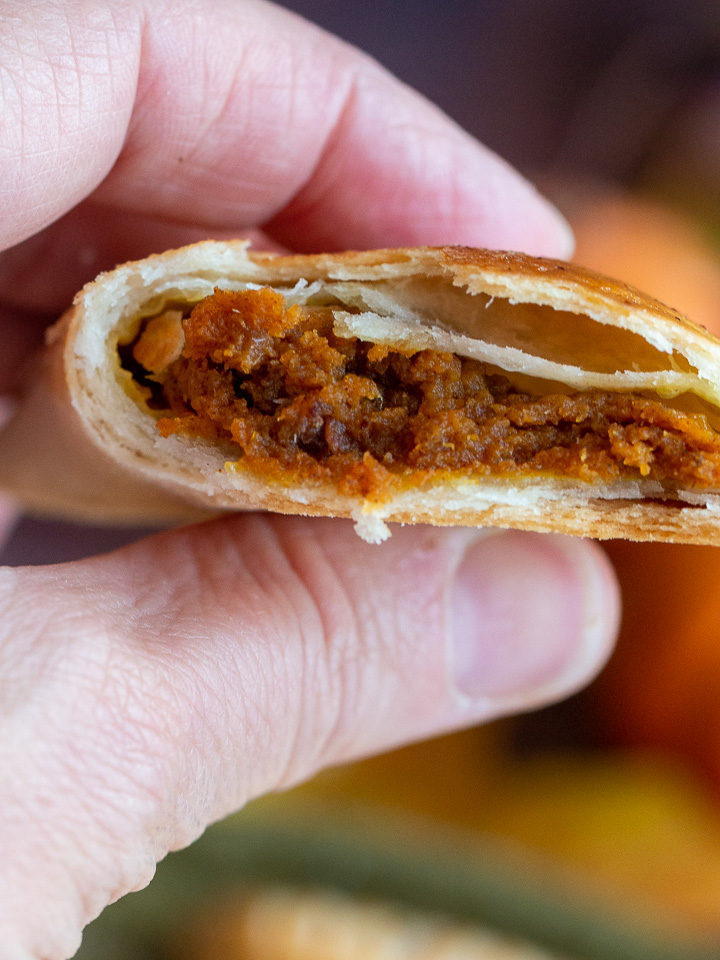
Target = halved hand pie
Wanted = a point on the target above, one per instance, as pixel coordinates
(447, 386)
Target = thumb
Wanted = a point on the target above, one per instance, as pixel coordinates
(151, 691)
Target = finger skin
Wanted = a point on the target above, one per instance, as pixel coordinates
(68, 74)
(149, 692)
(229, 114)
(295, 127)
(41, 276)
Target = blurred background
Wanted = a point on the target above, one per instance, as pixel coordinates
(591, 828)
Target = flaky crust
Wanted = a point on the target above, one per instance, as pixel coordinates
(80, 446)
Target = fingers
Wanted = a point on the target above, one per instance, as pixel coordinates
(21, 333)
(256, 116)
(68, 73)
(210, 119)
(43, 273)
(229, 115)
(158, 688)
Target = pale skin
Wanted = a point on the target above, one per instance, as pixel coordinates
(149, 692)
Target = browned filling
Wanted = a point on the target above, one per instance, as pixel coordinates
(298, 401)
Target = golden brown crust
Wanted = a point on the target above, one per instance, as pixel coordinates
(515, 264)
(465, 263)
(548, 318)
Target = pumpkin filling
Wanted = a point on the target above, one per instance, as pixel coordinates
(298, 402)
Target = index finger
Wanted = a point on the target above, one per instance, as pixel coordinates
(232, 115)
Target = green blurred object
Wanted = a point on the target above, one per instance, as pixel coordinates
(406, 861)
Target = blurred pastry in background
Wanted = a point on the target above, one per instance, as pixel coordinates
(303, 924)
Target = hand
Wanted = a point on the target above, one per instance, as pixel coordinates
(149, 692)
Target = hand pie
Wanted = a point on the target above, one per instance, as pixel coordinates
(430, 385)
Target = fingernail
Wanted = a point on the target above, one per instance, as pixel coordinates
(566, 237)
(551, 234)
(558, 239)
(532, 617)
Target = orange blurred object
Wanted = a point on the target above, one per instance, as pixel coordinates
(653, 247)
(662, 687)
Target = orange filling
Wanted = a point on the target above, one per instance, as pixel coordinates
(298, 402)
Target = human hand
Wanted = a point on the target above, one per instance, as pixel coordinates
(149, 692)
